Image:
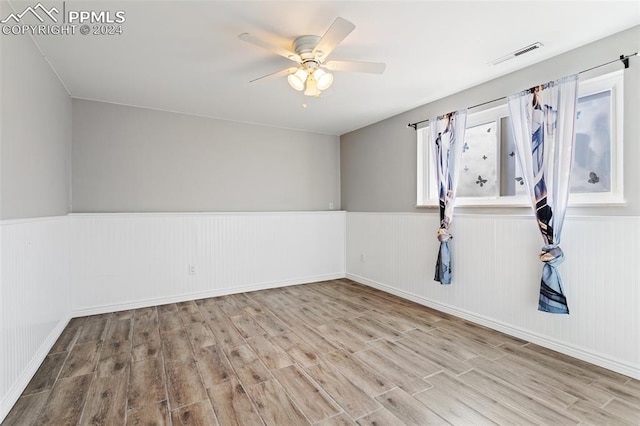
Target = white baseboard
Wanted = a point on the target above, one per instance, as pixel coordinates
(103, 309)
(12, 396)
(558, 346)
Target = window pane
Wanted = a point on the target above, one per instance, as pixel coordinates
(511, 183)
(592, 152)
(478, 177)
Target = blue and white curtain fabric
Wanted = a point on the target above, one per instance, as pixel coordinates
(543, 120)
(447, 140)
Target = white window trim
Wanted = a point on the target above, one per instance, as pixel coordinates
(611, 81)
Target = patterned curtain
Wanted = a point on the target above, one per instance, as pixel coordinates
(447, 136)
(543, 121)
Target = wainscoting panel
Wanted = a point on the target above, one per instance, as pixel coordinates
(125, 261)
(34, 298)
(497, 276)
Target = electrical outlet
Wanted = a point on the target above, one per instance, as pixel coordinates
(362, 257)
(192, 269)
(330, 206)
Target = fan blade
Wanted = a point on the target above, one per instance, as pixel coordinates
(270, 47)
(353, 66)
(280, 73)
(337, 32)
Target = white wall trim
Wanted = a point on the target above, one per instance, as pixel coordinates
(90, 229)
(526, 216)
(130, 260)
(11, 397)
(235, 252)
(554, 344)
(10, 222)
(497, 277)
(102, 309)
(34, 298)
(191, 214)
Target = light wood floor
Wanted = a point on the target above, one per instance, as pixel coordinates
(331, 353)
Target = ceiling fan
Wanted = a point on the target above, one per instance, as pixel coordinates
(310, 52)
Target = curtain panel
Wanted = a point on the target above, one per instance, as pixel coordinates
(447, 140)
(543, 124)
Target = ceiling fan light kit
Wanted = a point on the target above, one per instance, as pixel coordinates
(297, 79)
(323, 78)
(312, 82)
(311, 88)
(311, 52)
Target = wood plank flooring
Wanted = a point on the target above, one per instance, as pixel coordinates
(329, 353)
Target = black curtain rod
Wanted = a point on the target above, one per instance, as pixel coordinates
(624, 59)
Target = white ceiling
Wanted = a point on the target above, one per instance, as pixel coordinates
(185, 56)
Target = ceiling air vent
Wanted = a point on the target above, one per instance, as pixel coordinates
(518, 52)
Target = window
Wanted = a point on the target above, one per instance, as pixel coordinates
(489, 174)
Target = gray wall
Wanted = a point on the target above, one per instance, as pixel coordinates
(128, 159)
(378, 162)
(35, 132)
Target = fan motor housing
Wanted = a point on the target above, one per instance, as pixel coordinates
(304, 46)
